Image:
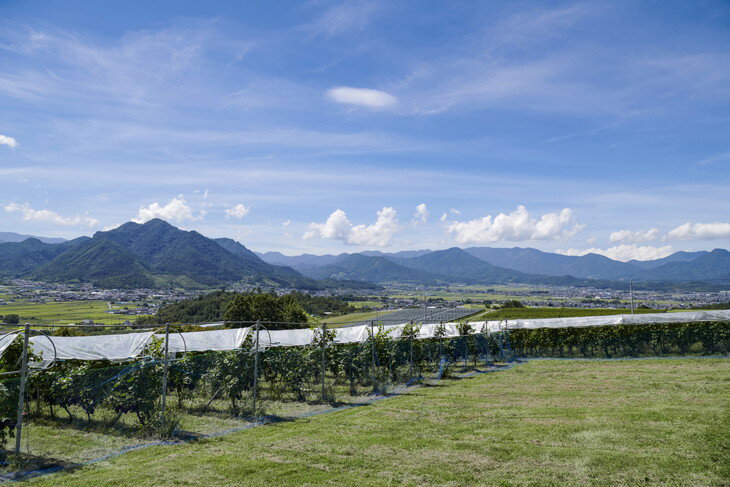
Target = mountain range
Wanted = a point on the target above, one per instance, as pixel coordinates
(153, 254)
(527, 265)
(156, 254)
(17, 237)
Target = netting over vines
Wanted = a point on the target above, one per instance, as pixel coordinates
(74, 411)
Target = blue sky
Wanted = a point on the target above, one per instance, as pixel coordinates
(340, 126)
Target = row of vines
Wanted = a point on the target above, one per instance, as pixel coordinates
(222, 383)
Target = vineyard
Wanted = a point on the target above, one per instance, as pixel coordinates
(75, 411)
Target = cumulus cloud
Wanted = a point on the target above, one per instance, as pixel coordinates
(176, 209)
(625, 252)
(362, 97)
(635, 237)
(338, 227)
(48, 216)
(9, 141)
(515, 227)
(238, 211)
(421, 215)
(702, 231)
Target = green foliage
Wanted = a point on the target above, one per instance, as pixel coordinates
(268, 308)
(513, 303)
(624, 340)
(12, 319)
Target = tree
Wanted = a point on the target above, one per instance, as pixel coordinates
(284, 310)
(12, 319)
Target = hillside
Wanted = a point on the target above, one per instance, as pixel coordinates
(158, 254)
(456, 264)
(713, 265)
(358, 267)
(19, 258)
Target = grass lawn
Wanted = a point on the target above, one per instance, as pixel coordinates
(640, 422)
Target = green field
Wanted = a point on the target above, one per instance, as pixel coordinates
(550, 312)
(634, 422)
(66, 312)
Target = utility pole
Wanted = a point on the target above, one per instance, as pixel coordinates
(631, 292)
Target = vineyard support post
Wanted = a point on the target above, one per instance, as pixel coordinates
(324, 360)
(165, 374)
(410, 351)
(372, 350)
(21, 392)
(256, 371)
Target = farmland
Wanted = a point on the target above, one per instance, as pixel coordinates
(66, 312)
(550, 312)
(648, 422)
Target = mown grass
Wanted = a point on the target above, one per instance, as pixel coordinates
(641, 422)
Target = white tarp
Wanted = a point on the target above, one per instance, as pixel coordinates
(131, 345)
(625, 319)
(6, 340)
(351, 334)
(206, 341)
(96, 347)
(284, 338)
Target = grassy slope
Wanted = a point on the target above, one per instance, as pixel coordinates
(647, 422)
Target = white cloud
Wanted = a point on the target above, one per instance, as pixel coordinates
(238, 211)
(515, 227)
(635, 237)
(625, 252)
(362, 96)
(176, 209)
(30, 214)
(338, 227)
(444, 216)
(421, 215)
(702, 231)
(286, 223)
(9, 141)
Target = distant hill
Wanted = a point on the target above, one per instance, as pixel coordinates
(17, 237)
(680, 256)
(456, 264)
(533, 261)
(358, 267)
(19, 258)
(713, 265)
(157, 254)
(300, 262)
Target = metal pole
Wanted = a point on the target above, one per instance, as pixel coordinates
(324, 359)
(21, 392)
(165, 373)
(256, 371)
(410, 339)
(372, 349)
(631, 292)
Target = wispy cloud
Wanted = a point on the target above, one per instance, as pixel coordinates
(238, 211)
(30, 214)
(362, 97)
(9, 141)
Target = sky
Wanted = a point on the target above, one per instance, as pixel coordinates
(329, 127)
